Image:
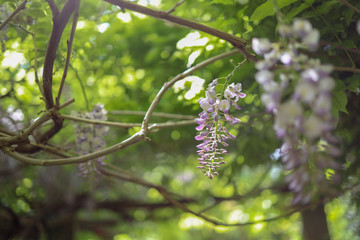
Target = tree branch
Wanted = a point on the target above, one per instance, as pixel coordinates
(36, 63)
(152, 126)
(233, 40)
(54, 8)
(155, 126)
(60, 22)
(346, 3)
(254, 191)
(166, 194)
(338, 69)
(174, 7)
(21, 137)
(155, 114)
(17, 10)
(82, 86)
(105, 123)
(180, 76)
(347, 69)
(68, 54)
(63, 161)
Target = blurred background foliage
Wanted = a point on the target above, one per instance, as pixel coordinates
(121, 59)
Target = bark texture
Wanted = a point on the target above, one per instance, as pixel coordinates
(314, 224)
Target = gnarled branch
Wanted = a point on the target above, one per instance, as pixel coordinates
(233, 40)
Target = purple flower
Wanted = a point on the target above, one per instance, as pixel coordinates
(285, 30)
(302, 113)
(234, 91)
(206, 105)
(90, 138)
(311, 75)
(203, 115)
(200, 127)
(311, 41)
(211, 96)
(286, 58)
(224, 106)
(301, 28)
(264, 76)
(261, 45)
(228, 134)
(232, 120)
(200, 120)
(213, 132)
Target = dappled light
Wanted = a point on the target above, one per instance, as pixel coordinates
(179, 119)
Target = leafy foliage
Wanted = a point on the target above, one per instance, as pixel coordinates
(124, 60)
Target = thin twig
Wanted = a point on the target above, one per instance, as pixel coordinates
(105, 123)
(82, 87)
(180, 76)
(353, 50)
(53, 7)
(36, 62)
(17, 10)
(68, 54)
(124, 175)
(338, 69)
(22, 136)
(237, 42)
(337, 38)
(174, 7)
(347, 69)
(60, 22)
(137, 137)
(155, 114)
(152, 126)
(20, 27)
(6, 131)
(254, 191)
(221, 223)
(50, 149)
(129, 176)
(346, 3)
(228, 77)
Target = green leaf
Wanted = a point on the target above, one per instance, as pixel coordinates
(4, 1)
(353, 83)
(224, 2)
(326, 7)
(340, 100)
(299, 9)
(348, 13)
(349, 44)
(267, 9)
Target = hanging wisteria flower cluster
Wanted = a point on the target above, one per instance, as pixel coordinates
(12, 119)
(211, 122)
(302, 116)
(90, 138)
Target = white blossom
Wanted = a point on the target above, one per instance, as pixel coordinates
(313, 127)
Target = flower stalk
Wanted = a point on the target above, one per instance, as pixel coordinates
(211, 127)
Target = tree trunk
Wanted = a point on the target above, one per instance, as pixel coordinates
(314, 224)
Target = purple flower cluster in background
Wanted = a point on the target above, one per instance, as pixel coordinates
(90, 138)
(211, 127)
(12, 119)
(303, 119)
